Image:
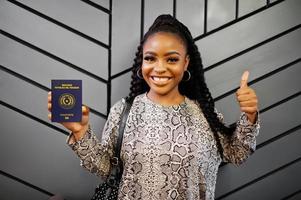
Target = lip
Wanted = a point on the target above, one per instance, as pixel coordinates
(160, 80)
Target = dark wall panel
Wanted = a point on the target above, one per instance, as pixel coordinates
(264, 160)
(242, 35)
(295, 195)
(11, 189)
(261, 60)
(75, 14)
(275, 186)
(126, 24)
(42, 68)
(103, 3)
(34, 104)
(120, 92)
(153, 8)
(54, 39)
(279, 120)
(269, 90)
(41, 157)
(247, 6)
(195, 19)
(220, 12)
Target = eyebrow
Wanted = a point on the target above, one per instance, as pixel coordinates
(168, 53)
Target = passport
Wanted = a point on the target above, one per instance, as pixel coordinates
(66, 100)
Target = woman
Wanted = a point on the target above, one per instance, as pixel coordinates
(174, 140)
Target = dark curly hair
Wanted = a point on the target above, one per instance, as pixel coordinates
(196, 88)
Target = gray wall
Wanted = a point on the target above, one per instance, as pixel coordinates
(96, 41)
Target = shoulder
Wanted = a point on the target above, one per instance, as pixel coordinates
(195, 105)
(118, 106)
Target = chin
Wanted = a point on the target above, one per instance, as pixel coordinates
(161, 91)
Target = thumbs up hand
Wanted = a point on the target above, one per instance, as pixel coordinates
(247, 98)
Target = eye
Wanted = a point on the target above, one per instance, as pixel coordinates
(172, 60)
(149, 58)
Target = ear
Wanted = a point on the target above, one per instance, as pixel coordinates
(187, 59)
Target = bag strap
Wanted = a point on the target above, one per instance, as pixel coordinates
(125, 113)
(116, 162)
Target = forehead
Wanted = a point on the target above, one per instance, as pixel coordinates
(164, 41)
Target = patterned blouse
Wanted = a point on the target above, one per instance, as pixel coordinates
(168, 152)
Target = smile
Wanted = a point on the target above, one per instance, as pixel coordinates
(160, 80)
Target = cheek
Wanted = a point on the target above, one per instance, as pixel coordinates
(146, 69)
(179, 72)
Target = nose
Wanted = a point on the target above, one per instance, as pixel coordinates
(160, 68)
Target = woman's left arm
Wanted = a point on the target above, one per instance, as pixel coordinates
(247, 98)
(242, 143)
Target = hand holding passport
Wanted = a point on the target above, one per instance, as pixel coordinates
(65, 105)
(66, 100)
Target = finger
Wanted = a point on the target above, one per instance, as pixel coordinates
(242, 91)
(250, 103)
(49, 96)
(250, 110)
(244, 79)
(246, 97)
(49, 107)
(49, 116)
(85, 109)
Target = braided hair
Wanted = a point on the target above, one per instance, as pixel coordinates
(195, 88)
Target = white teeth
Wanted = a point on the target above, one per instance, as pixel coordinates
(160, 79)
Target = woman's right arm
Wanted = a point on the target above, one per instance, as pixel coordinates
(95, 156)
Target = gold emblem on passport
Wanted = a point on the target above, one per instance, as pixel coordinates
(67, 101)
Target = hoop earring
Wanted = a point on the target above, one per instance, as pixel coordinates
(189, 76)
(138, 74)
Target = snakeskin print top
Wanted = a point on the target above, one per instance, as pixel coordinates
(168, 152)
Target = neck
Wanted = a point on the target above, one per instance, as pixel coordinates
(166, 99)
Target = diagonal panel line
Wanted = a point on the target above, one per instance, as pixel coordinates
(292, 195)
(238, 20)
(5, 69)
(273, 139)
(46, 53)
(20, 76)
(276, 137)
(277, 103)
(97, 6)
(235, 89)
(239, 53)
(58, 23)
(121, 73)
(283, 167)
(281, 102)
(259, 78)
(253, 47)
(25, 183)
(33, 117)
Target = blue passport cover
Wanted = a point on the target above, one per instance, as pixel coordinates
(66, 100)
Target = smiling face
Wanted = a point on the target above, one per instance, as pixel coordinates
(164, 61)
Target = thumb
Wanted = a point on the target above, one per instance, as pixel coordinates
(85, 109)
(244, 79)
